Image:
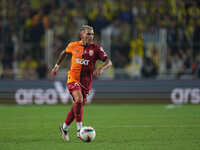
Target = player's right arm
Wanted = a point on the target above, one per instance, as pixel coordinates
(62, 56)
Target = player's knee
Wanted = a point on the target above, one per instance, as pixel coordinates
(78, 99)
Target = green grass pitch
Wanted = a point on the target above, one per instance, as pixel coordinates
(118, 127)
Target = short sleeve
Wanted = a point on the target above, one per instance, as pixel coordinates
(68, 49)
(101, 54)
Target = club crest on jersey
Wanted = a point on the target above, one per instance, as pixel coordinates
(91, 52)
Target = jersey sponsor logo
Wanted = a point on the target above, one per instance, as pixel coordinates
(82, 61)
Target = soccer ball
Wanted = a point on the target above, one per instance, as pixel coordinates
(87, 134)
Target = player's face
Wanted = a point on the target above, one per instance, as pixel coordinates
(88, 36)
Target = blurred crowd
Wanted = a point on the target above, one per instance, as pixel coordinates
(149, 39)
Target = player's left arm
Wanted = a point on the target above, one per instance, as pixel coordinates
(107, 64)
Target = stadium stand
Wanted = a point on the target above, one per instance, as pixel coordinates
(148, 39)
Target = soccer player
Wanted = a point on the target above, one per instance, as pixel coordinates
(85, 53)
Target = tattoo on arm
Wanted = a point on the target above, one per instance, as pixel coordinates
(62, 56)
(107, 64)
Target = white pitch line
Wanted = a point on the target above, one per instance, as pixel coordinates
(172, 106)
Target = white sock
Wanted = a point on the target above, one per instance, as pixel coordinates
(65, 126)
(79, 125)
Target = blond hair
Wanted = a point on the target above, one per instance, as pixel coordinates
(84, 27)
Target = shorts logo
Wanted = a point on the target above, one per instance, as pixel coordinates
(75, 84)
(82, 61)
(91, 52)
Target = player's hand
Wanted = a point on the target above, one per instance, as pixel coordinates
(54, 70)
(98, 72)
